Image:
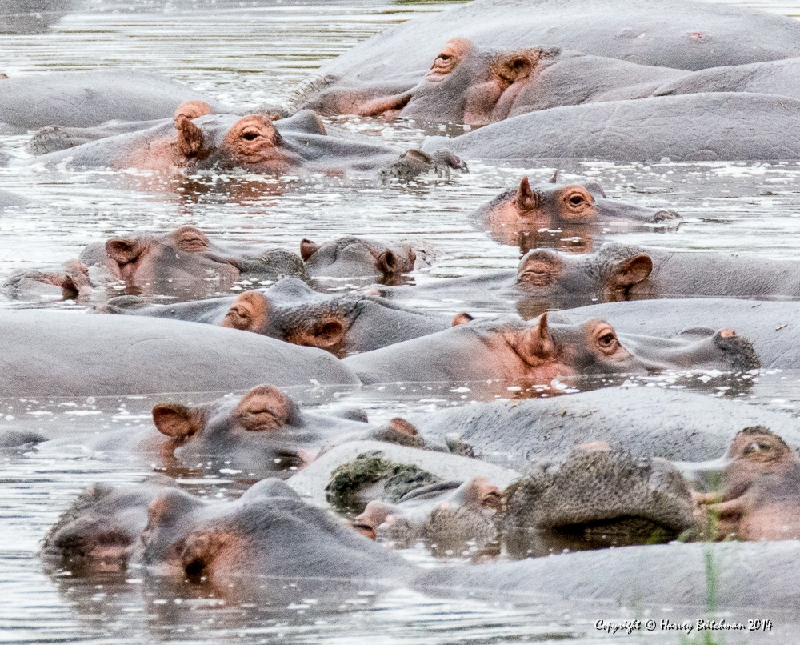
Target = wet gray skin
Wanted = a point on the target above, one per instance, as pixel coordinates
(769, 325)
(291, 311)
(182, 265)
(475, 86)
(253, 143)
(539, 351)
(11, 199)
(248, 548)
(697, 36)
(87, 99)
(71, 354)
(723, 126)
(644, 422)
(353, 257)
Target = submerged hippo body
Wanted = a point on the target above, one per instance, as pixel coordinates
(645, 422)
(761, 489)
(721, 126)
(247, 549)
(475, 86)
(517, 215)
(86, 99)
(71, 354)
(769, 325)
(226, 141)
(538, 352)
(669, 33)
(182, 265)
(353, 257)
(292, 312)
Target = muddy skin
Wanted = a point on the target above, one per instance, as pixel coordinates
(182, 265)
(521, 212)
(57, 353)
(352, 257)
(259, 433)
(761, 490)
(716, 126)
(90, 99)
(537, 352)
(292, 312)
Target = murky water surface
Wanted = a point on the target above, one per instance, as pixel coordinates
(250, 54)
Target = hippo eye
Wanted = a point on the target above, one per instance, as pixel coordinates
(607, 340)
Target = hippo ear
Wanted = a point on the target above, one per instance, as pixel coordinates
(515, 66)
(536, 346)
(190, 140)
(123, 251)
(191, 110)
(327, 334)
(249, 312)
(308, 248)
(177, 421)
(388, 263)
(632, 270)
(527, 199)
(199, 551)
(462, 319)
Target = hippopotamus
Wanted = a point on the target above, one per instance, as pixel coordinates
(353, 257)
(669, 33)
(87, 99)
(473, 86)
(252, 548)
(182, 265)
(769, 325)
(291, 311)
(761, 489)
(537, 353)
(198, 140)
(597, 497)
(709, 126)
(517, 215)
(645, 422)
(59, 353)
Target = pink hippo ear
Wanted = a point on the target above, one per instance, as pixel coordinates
(326, 333)
(527, 199)
(123, 250)
(199, 551)
(462, 318)
(632, 271)
(307, 249)
(388, 263)
(189, 144)
(175, 420)
(536, 346)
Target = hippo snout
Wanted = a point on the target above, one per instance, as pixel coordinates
(665, 215)
(739, 351)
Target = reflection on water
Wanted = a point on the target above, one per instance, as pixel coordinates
(744, 208)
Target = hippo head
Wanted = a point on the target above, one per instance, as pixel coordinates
(351, 257)
(558, 206)
(268, 532)
(602, 497)
(100, 530)
(262, 430)
(225, 141)
(466, 85)
(446, 515)
(756, 451)
(564, 280)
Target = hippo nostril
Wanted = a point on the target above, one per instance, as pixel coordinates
(665, 215)
(727, 333)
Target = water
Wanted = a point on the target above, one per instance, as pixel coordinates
(249, 54)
